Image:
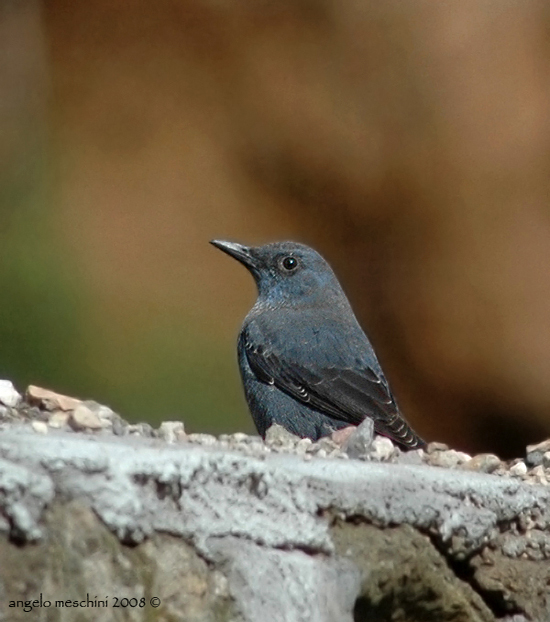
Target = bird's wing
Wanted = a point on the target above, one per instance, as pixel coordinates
(344, 393)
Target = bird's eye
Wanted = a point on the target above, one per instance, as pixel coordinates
(289, 263)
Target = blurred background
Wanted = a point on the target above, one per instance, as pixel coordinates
(409, 142)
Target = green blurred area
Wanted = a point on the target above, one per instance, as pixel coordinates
(167, 371)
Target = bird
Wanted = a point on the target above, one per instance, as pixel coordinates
(305, 362)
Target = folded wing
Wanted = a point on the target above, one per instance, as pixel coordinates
(348, 394)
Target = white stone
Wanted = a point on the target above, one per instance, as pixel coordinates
(519, 469)
(8, 394)
(40, 427)
(58, 419)
(382, 448)
(172, 431)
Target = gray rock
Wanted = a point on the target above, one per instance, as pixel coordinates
(535, 453)
(82, 418)
(278, 437)
(360, 441)
(270, 527)
(8, 395)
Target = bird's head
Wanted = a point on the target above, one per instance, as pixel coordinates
(287, 273)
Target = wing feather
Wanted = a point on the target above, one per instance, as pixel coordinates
(343, 393)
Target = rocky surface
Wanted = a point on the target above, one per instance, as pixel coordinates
(93, 508)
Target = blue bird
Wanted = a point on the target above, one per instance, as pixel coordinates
(305, 362)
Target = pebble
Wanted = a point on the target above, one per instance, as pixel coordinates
(303, 445)
(382, 448)
(241, 437)
(449, 458)
(82, 418)
(341, 436)
(414, 456)
(360, 440)
(58, 419)
(46, 409)
(277, 436)
(535, 453)
(202, 439)
(37, 396)
(40, 427)
(8, 395)
(519, 469)
(140, 429)
(538, 474)
(484, 463)
(436, 447)
(172, 431)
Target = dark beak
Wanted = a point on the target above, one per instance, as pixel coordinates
(241, 253)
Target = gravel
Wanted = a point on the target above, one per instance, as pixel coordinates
(43, 410)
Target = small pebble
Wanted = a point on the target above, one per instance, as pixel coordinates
(414, 456)
(448, 459)
(519, 469)
(535, 453)
(140, 429)
(40, 427)
(8, 395)
(278, 436)
(436, 447)
(360, 441)
(302, 445)
(58, 419)
(202, 439)
(382, 448)
(340, 437)
(484, 463)
(172, 431)
(82, 418)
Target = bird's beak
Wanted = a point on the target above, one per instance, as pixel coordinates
(239, 252)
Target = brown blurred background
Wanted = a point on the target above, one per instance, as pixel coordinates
(409, 142)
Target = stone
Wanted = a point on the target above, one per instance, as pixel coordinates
(360, 441)
(535, 453)
(432, 447)
(82, 418)
(40, 427)
(413, 456)
(382, 449)
(303, 445)
(58, 419)
(340, 437)
(8, 395)
(172, 431)
(37, 396)
(519, 469)
(484, 463)
(449, 459)
(141, 429)
(202, 439)
(277, 436)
